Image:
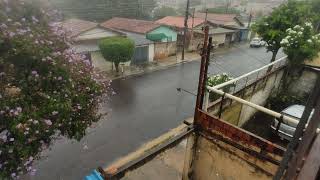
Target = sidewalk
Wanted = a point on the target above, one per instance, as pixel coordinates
(106, 67)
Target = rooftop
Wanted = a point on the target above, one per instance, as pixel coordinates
(78, 26)
(130, 25)
(217, 18)
(178, 21)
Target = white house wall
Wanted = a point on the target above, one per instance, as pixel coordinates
(151, 52)
(219, 38)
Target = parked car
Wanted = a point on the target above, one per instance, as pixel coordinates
(286, 129)
(257, 42)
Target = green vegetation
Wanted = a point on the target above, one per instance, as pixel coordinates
(46, 89)
(273, 28)
(223, 10)
(117, 50)
(216, 80)
(101, 10)
(164, 11)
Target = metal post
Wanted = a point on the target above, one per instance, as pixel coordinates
(309, 134)
(185, 29)
(221, 105)
(299, 131)
(206, 103)
(205, 57)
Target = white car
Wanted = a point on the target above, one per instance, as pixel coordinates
(286, 130)
(257, 42)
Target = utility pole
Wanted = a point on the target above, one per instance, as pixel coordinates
(250, 19)
(185, 29)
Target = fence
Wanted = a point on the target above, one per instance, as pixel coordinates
(255, 86)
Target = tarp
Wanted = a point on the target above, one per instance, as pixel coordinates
(156, 37)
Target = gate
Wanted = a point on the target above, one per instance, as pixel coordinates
(141, 55)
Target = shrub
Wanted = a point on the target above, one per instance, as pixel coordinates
(117, 49)
(216, 80)
(46, 89)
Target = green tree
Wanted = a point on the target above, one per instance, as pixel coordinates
(300, 44)
(117, 50)
(315, 9)
(46, 89)
(164, 11)
(101, 10)
(273, 28)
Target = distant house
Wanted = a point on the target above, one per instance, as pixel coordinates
(177, 22)
(221, 19)
(220, 33)
(229, 21)
(152, 30)
(86, 35)
(160, 39)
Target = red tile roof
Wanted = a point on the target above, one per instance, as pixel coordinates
(217, 18)
(77, 26)
(130, 25)
(178, 21)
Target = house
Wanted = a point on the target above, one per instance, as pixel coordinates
(221, 19)
(229, 21)
(177, 22)
(86, 36)
(152, 30)
(220, 33)
(161, 39)
(221, 36)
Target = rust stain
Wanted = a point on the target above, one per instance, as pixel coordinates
(210, 123)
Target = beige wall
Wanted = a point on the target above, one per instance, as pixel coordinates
(218, 160)
(163, 50)
(219, 38)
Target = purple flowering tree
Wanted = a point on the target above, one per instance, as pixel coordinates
(46, 89)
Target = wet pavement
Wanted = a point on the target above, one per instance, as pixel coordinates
(144, 107)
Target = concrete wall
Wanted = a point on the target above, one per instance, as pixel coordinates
(151, 52)
(218, 160)
(163, 50)
(167, 31)
(257, 92)
(304, 84)
(219, 38)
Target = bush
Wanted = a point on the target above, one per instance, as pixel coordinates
(46, 89)
(117, 49)
(216, 80)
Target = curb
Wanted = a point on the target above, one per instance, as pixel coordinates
(153, 70)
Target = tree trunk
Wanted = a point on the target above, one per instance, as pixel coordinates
(116, 64)
(274, 56)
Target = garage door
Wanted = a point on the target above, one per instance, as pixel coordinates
(141, 55)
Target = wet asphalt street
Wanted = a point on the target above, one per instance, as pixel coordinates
(144, 107)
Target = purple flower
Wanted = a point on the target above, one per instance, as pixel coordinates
(19, 109)
(59, 78)
(11, 139)
(48, 122)
(12, 34)
(13, 175)
(3, 26)
(34, 72)
(33, 172)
